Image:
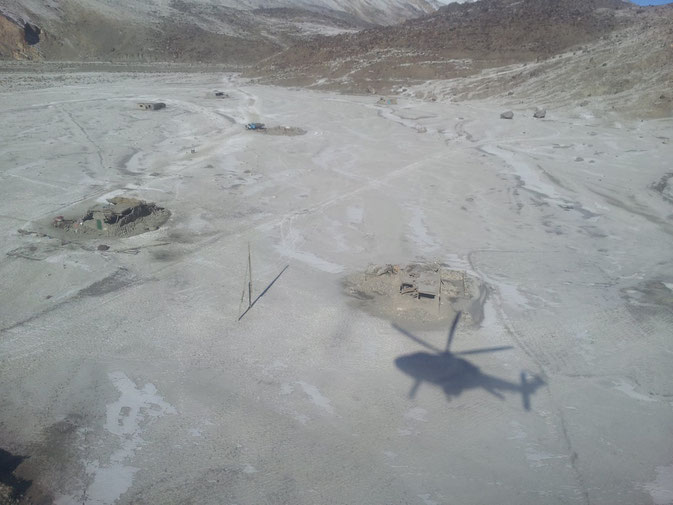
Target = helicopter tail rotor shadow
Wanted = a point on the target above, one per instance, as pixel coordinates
(528, 388)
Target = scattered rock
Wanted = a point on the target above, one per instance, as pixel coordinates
(387, 101)
(507, 115)
(103, 247)
(584, 103)
(539, 113)
(579, 158)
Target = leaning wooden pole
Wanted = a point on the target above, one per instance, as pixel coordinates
(250, 277)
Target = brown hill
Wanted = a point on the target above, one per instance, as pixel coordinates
(227, 31)
(577, 48)
(457, 40)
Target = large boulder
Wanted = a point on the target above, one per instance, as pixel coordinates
(507, 115)
(540, 113)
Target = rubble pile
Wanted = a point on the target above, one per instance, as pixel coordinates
(424, 292)
(121, 217)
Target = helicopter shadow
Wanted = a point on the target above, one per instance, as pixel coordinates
(454, 374)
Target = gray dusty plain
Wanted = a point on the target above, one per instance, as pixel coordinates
(126, 376)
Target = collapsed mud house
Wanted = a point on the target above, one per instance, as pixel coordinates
(420, 292)
(121, 217)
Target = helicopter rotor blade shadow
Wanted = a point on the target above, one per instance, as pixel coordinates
(485, 349)
(452, 330)
(416, 339)
(414, 388)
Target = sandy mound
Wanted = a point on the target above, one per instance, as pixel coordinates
(422, 293)
(123, 217)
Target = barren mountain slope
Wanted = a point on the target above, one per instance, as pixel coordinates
(609, 47)
(628, 71)
(488, 30)
(188, 30)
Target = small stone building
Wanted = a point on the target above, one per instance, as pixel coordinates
(151, 105)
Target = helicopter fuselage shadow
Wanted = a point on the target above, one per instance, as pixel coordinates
(454, 374)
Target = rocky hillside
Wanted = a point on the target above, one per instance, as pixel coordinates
(458, 39)
(228, 31)
(571, 50)
(627, 72)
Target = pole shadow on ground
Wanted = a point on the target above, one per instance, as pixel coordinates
(252, 304)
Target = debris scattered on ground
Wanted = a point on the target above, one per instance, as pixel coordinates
(539, 113)
(387, 101)
(650, 294)
(221, 94)
(507, 115)
(151, 105)
(664, 187)
(123, 217)
(289, 131)
(422, 292)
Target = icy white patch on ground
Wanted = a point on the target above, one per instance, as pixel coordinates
(419, 231)
(127, 418)
(629, 390)
(311, 259)
(426, 499)
(520, 167)
(416, 414)
(316, 397)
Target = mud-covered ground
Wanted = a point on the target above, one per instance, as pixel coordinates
(127, 376)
